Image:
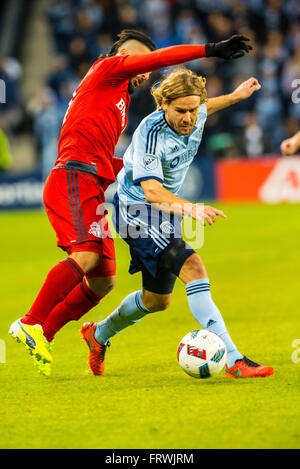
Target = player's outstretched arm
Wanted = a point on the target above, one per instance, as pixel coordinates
(243, 91)
(232, 48)
(165, 200)
(289, 146)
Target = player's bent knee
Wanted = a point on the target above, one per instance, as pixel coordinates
(193, 269)
(87, 260)
(155, 302)
(101, 286)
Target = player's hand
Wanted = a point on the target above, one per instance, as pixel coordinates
(232, 48)
(245, 89)
(205, 213)
(289, 146)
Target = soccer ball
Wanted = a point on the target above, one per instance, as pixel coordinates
(201, 354)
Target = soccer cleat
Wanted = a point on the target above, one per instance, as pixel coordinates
(245, 368)
(33, 339)
(97, 351)
(44, 367)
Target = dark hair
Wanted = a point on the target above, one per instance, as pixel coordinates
(126, 35)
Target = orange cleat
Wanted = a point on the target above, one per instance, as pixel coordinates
(97, 351)
(245, 368)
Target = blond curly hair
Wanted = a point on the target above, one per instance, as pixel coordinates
(179, 83)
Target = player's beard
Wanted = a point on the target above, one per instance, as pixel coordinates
(179, 130)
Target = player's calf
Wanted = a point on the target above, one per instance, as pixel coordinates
(156, 302)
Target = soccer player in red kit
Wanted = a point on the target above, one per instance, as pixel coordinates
(85, 167)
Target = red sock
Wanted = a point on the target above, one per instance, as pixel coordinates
(61, 279)
(78, 302)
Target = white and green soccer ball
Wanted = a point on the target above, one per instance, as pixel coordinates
(201, 354)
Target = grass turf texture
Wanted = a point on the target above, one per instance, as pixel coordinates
(145, 400)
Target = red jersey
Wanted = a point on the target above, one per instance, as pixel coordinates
(97, 113)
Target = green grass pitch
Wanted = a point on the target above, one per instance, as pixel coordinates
(145, 400)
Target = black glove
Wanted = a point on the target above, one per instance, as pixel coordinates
(232, 48)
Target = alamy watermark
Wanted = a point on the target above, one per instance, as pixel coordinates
(2, 352)
(163, 223)
(296, 92)
(296, 353)
(2, 92)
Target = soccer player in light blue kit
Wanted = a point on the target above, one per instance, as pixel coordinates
(148, 214)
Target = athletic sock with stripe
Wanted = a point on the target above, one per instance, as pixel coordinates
(209, 317)
(78, 302)
(61, 279)
(130, 311)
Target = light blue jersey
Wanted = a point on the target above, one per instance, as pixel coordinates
(158, 152)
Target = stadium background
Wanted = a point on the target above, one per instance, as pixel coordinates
(47, 46)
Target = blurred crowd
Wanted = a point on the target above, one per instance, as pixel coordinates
(83, 29)
(10, 106)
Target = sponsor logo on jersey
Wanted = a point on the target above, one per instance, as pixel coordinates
(176, 148)
(150, 162)
(184, 157)
(174, 162)
(122, 108)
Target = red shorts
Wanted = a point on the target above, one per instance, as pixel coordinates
(74, 203)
